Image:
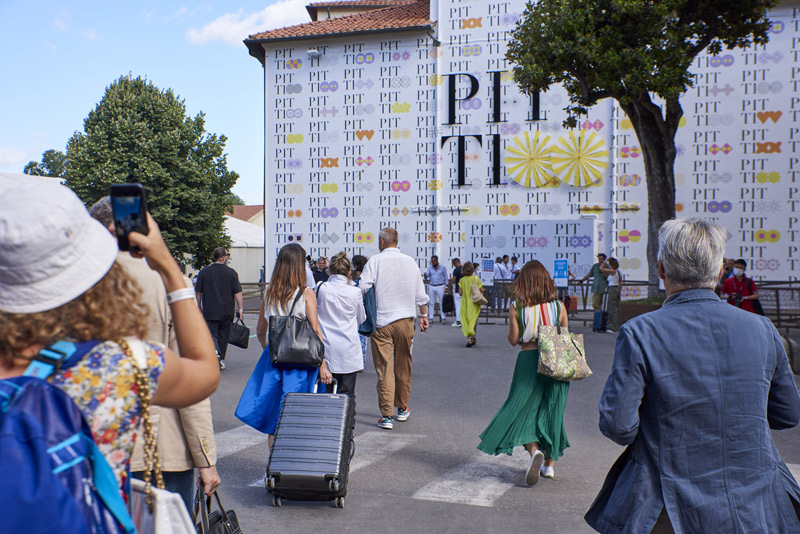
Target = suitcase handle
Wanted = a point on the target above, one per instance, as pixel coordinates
(333, 381)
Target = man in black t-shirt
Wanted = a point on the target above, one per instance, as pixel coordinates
(217, 289)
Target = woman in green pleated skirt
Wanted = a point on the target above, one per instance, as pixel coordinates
(533, 413)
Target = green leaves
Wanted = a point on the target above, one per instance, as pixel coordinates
(54, 163)
(139, 133)
(621, 48)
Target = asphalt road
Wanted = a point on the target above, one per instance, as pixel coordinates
(426, 475)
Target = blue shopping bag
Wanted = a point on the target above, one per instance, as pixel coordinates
(260, 403)
(255, 405)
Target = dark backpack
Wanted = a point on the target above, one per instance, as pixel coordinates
(53, 478)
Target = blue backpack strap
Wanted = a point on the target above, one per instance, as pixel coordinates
(61, 354)
(50, 359)
(106, 483)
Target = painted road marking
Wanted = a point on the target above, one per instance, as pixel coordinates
(487, 477)
(371, 447)
(237, 439)
(795, 469)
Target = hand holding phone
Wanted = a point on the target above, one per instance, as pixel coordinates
(129, 202)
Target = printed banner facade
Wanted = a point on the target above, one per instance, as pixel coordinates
(430, 134)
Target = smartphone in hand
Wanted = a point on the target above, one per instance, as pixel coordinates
(129, 202)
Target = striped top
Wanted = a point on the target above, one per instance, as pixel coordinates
(532, 316)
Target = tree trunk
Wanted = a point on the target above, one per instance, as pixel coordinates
(656, 135)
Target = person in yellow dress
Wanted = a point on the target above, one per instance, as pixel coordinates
(469, 311)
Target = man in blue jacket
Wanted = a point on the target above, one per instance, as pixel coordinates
(694, 390)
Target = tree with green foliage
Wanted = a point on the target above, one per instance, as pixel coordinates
(639, 53)
(54, 163)
(139, 133)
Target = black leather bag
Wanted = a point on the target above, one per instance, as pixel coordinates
(239, 335)
(217, 522)
(293, 342)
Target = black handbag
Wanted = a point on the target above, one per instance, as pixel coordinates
(293, 342)
(757, 307)
(217, 522)
(239, 335)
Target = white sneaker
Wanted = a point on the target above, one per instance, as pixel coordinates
(456, 323)
(547, 471)
(532, 474)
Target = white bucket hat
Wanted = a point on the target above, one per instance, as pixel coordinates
(51, 250)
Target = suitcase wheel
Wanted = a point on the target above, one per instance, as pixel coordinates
(339, 502)
(276, 501)
(333, 485)
(270, 483)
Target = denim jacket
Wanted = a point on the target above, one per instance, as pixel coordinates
(694, 390)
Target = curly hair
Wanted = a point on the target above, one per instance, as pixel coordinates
(109, 310)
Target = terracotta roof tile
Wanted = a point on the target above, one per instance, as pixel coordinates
(245, 213)
(408, 16)
(362, 3)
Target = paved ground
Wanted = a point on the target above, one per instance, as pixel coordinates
(426, 475)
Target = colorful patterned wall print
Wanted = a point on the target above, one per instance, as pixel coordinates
(434, 138)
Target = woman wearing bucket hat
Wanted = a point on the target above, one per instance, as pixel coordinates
(59, 281)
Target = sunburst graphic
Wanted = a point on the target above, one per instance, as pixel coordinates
(529, 160)
(580, 159)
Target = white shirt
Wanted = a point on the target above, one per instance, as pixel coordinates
(398, 285)
(340, 308)
(438, 276)
(500, 272)
(310, 282)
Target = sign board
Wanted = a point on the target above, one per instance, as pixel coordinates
(561, 273)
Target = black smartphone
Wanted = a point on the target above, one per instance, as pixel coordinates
(129, 202)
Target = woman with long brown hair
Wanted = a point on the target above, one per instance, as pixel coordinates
(533, 413)
(288, 283)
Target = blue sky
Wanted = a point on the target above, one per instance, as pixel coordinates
(57, 59)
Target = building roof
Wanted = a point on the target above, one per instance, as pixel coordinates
(244, 234)
(314, 7)
(408, 16)
(245, 213)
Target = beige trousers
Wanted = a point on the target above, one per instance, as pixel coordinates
(391, 353)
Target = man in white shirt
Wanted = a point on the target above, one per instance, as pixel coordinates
(499, 277)
(398, 291)
(437, 278)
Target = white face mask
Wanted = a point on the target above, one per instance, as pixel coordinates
(738, 272)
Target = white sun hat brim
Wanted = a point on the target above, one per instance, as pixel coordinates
(51, 250)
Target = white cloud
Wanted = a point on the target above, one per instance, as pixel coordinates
(233, 28)
(91, 35)
(61, 19)
(12, 158)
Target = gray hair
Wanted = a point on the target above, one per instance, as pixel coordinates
(389, 235)
(691, 251)
(102, 211)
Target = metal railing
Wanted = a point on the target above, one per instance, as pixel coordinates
(779, 298)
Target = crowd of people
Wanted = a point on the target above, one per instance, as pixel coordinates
(694, 410)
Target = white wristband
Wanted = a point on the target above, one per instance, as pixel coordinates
(180, 294)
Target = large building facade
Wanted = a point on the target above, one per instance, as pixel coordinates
(407, 115)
